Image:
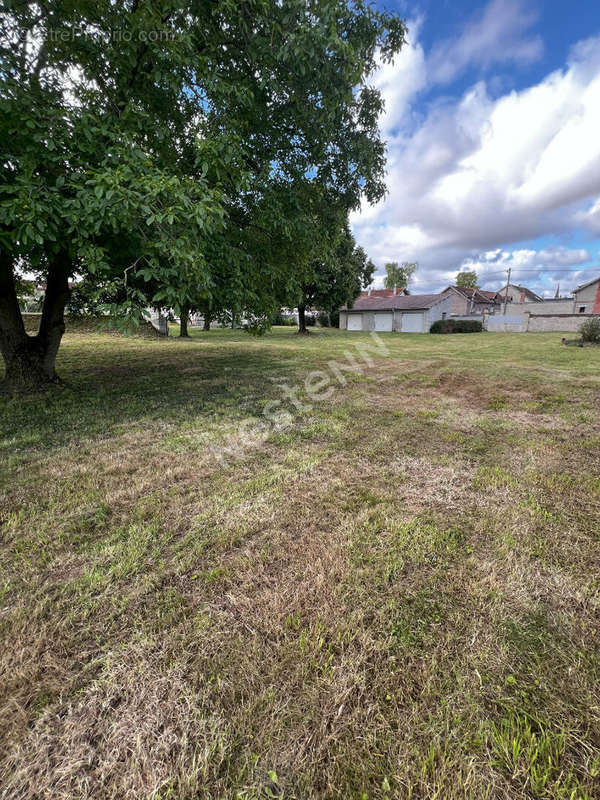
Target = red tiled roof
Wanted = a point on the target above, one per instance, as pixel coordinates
(488, 295)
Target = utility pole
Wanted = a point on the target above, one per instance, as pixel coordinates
(506, 292)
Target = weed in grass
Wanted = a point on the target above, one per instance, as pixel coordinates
(542, 761)
(498, 403)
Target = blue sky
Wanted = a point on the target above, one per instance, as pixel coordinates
(493, 129)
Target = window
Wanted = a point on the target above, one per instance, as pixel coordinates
(582, 309)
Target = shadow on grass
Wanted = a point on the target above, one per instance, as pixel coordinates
(111, 383)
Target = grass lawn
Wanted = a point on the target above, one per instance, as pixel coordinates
(394, 595)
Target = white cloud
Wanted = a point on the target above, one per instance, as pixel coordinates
(499, 33)
(475, 173)
(401, 80)
(537, 269)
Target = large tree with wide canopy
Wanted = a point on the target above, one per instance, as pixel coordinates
(163, 145)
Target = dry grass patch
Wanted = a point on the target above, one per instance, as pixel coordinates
(396, 596)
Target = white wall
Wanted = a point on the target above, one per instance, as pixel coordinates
(514, 323)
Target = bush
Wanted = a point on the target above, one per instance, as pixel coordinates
(310, 321)
(456, 326)
(590, 330)
(323, 319)
(334, 318)
(279, 319)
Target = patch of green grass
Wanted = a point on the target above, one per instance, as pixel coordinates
(543, 761)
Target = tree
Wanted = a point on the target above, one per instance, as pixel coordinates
(399, 276)
(336, 279)
(174, 154)
(467, 280)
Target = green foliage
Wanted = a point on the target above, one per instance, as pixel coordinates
(278, 319)
(399, 276)
(590, 330)
(176, 166)
(340, 270)
(29, 297)
(467, 280)
(456, 326)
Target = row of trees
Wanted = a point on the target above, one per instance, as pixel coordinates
(184, 153)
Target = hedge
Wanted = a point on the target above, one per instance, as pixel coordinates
(456, 326)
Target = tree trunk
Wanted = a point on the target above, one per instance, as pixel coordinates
(30, 360)
(207, 322)
(302, 319)
(183, 322)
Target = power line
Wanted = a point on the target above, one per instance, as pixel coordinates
(537, 271)
(546, 269)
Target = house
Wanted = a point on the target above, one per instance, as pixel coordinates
(587, 297)
(472, 301)
(519, 294)
(403, 313)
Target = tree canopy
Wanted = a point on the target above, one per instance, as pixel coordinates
(467, 280)
(335, 277)
(398, 276)
(167, 150)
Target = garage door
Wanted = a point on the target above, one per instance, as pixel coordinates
(383, 322)
(412, 323)
(355, 322)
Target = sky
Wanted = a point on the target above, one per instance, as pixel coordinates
(492, 123)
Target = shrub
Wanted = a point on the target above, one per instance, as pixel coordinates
(456, 326)
(590, 330)
(323, 319)
(278, 319)
(334, 318)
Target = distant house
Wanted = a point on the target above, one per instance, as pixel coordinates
(519, 294)
(587, 297)
(472, 301)
(400, 312)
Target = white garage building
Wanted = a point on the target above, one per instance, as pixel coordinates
(413, 313)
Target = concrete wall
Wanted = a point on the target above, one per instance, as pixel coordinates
(438, 310)
(588, 294)
(559, 322)
(549, 307)
(588, 298)
(536, 323)
(507, 323)
(458, 303)
(471, 317)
